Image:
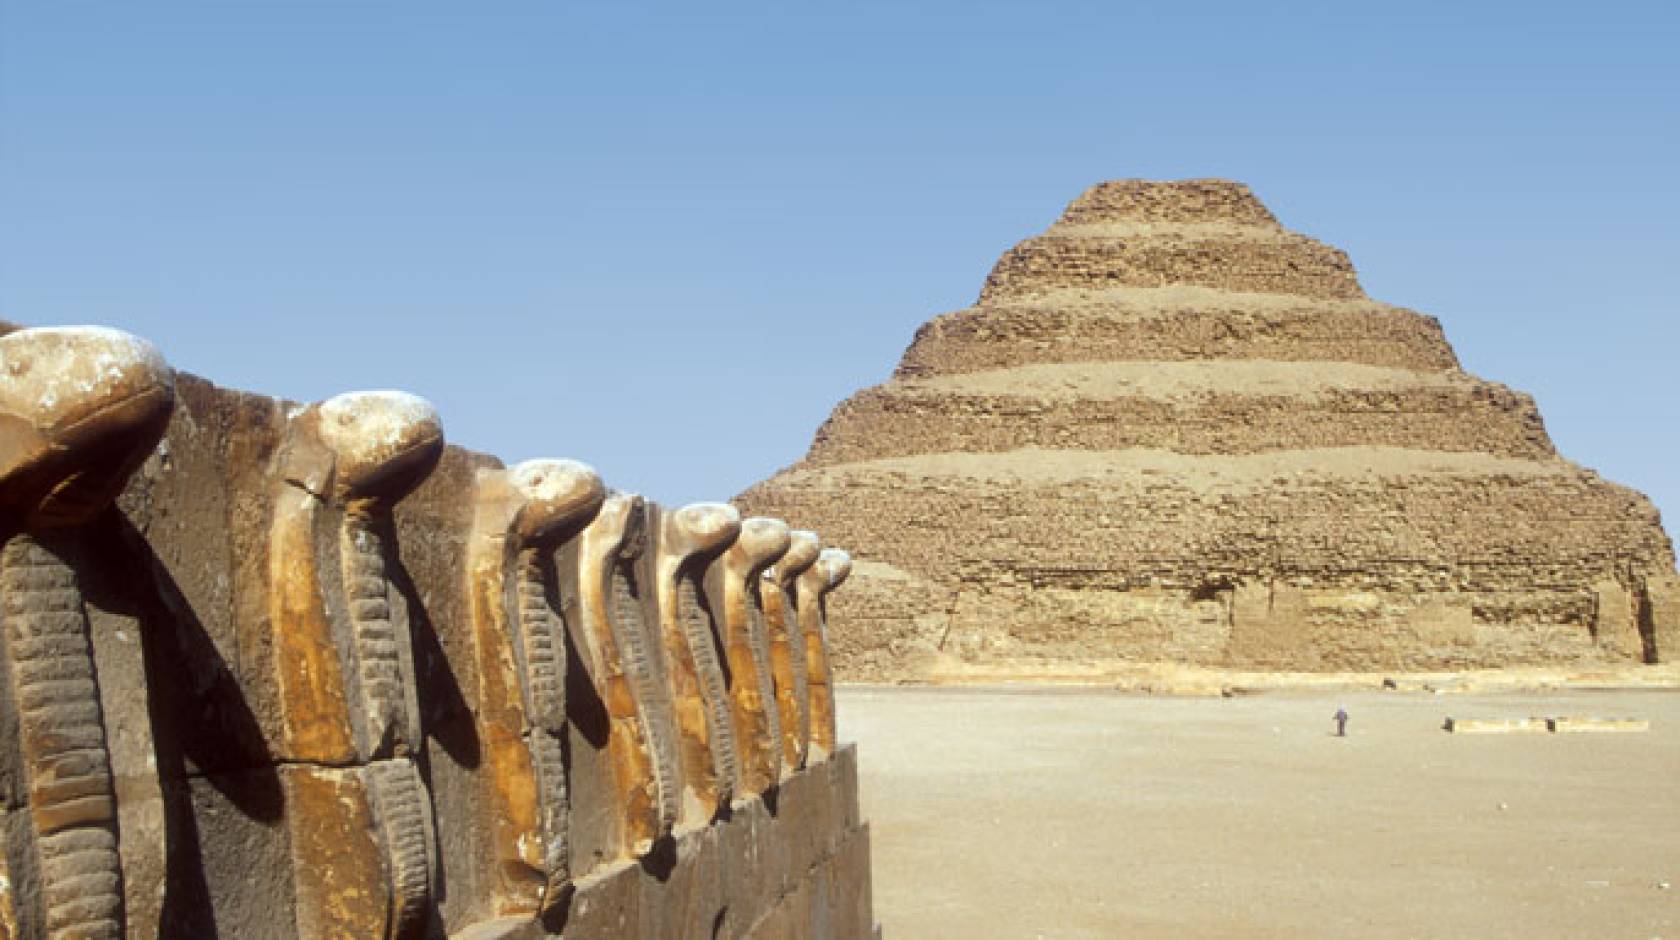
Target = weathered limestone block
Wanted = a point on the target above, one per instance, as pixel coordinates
(731, 583)
(1659, 617)
(175, 583)
(80, 409)
(1176, 202)
(1243, 260)
(1615, 621)
(1189, 407)
(624, 671)
(831, 569)
(610, 903)
(801, 871)
(777, 589)
(363, 851)
(1176, 324)
(522, 515)
(1143, 233)
(1497, 726)
(688, 539)
(1581, 725)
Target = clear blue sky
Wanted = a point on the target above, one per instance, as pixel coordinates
(667, 240)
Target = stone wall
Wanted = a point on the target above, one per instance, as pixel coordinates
(276, 671)
(1141, 557)
(1065, 407)
(1176, 324)
(1039, 266)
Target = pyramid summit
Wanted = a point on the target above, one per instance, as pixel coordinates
(1171, 429)
(1193, 201)
(1208, 233)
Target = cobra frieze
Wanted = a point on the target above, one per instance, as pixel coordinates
(316, 675)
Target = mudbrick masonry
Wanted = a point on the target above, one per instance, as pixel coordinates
(1173, 430)
(278, 671)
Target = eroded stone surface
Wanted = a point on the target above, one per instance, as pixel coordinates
(732, 582)
(788, 667)
(522, 515)
(80, 409)
(830, 570)
(687, 539)
(624, 672)
(364, 854)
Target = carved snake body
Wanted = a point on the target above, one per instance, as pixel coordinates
(80, 409)
(830, 570)
(732, 579)
(688, 537)
(520, 516)
(348, 709)
(640, 749)
(787, 646)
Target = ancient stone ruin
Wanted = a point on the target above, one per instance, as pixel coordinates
(1173, 430)
(270, 671)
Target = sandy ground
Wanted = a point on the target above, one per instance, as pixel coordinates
(1063, 813)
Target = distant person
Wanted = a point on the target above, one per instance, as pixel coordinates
(1341, 722)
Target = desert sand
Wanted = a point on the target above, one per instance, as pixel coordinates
(1082, 813)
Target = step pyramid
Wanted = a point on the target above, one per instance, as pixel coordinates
(1172, 430)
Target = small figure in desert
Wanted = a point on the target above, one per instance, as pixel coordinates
(1341, 721)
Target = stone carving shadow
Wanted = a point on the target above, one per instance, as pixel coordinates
(661, 860)
(445, 716)
(201, 722)
(1646, 621)
(553, 919)
(444, 712)
(584, 708)
(199, 710)
(713, 631)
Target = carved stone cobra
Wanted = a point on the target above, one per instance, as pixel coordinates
(787, 646)
(688, 538)
(831, 568)
(521, 514)
(80, 408)
(360, 814)
(627, 679)
(732, 580)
